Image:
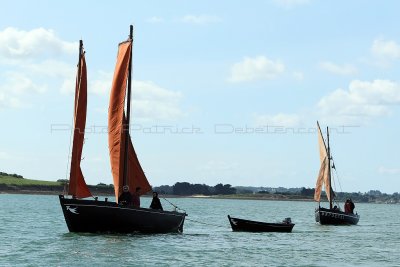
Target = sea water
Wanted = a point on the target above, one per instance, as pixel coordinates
(33, 233)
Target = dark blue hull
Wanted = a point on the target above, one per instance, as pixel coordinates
(335, 217)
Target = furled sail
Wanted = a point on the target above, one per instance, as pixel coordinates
(323, 175)
(77, 184)
(118, 132)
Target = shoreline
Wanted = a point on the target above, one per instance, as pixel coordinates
(107, 194)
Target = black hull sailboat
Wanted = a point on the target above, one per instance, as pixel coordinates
(241, 225)
(332, 215)
(335, 217)
(82, 211)
(95, 216)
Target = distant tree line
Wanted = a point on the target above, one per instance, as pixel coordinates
(370, 196)
(188, 189)
(12, 175)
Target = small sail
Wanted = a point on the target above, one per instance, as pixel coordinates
(116, 133)
(77, 184)
(323, 175)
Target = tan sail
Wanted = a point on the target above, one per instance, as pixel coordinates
(77, 184)
(116, 133)
(323, 175)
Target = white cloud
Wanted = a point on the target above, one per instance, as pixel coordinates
(102, 83)
(386, 49)
(17, 84)
(201, 19)
(346, 69)
(391, 171)
(155, 20)
(362, 100)
(385, 52)
(15, 87)
(281, 119)
(51, 68)
(15, 43)
(150, 102)
(31, 60)
(258, 68)
(291, 3)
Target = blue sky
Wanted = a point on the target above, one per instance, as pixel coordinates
(223, 91)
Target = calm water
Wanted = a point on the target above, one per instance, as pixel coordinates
(33, 232)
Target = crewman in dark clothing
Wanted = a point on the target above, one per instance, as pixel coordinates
(352, 206)
(156, 203)
(125, 198)
(136, 198)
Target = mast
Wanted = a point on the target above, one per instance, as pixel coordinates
(329, 171)
(79, 61)
(128, 112)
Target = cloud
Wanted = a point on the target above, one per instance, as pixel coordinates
(291, 3)
(363, 100)
(338, 69)
(150, 102)
(16, 86)
(102, 83)
(15, 43)
(385, 49)
(258, 68)
(200, 19)
(32, 60)
(281, 119)
(385, 52)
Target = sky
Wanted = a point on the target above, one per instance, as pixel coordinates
(223, 91)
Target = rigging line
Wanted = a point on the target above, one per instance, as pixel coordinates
(337, 175)
(174, 205)
(210, 224)
(69, 150)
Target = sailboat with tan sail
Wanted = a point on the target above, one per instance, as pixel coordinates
(333, 214)
(83, 214)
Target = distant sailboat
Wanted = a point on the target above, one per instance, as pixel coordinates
(332, 215)
(87, 215)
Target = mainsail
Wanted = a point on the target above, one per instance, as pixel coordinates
(118, 130)
(77, 184)
(323, 175)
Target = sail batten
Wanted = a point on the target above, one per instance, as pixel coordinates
(118, 132)
(77, 184)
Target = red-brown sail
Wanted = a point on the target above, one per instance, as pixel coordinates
(117, 132)
(77, 184)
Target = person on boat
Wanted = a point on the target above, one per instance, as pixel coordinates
(136, 198)
(335, 208)
(156, 203)
(351, 206)
(125, 198)
(347, 208)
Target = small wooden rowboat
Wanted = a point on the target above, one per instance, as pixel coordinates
(254, 226)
